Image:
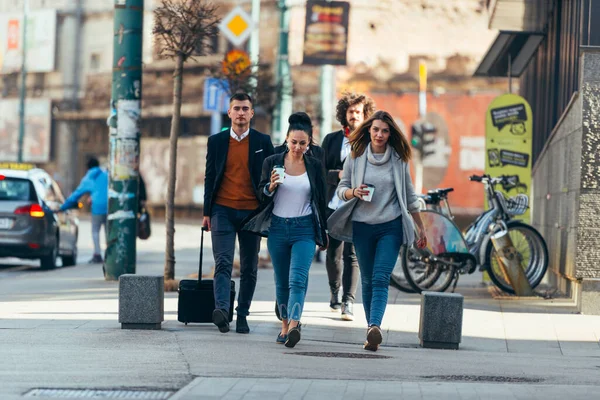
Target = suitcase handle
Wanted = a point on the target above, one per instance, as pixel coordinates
(204, 229)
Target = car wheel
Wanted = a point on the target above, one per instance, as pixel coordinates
(70, 260)
(49, 261)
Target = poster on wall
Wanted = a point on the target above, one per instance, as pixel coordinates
(41, 41)
(36, 141)
(508, 131)
(326, 32)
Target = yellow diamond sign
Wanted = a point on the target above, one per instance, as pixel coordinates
(237, 26)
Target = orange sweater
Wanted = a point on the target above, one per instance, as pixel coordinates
(236, 190)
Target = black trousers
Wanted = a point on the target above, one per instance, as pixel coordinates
(342, 267)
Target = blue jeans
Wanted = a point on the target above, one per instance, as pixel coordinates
(291, 244)
(377, 248)
(225, 224)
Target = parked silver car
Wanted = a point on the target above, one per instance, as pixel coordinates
(30, 226)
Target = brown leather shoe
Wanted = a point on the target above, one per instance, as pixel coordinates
(374, 338)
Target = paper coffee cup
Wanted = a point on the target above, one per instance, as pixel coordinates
(371, 189)
(279, 170)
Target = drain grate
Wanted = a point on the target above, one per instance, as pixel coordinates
(100, 394)
(338, 355)
(483, 378)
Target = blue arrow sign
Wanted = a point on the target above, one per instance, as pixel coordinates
(215, 95)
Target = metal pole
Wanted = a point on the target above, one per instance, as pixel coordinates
(282, 73)
(419, 169)
(509, 264)
(509, 74)
(327, 99)
(255, 38)
(124, 130)
(23, 90)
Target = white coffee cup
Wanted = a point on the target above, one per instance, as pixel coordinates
(371, 189)
(279, 170)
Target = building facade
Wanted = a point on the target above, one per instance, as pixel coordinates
(387, 40)
(562, 84)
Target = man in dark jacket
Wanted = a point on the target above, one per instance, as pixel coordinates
(234, 162)
(352, 109)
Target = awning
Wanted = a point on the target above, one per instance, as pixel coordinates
(518, 47)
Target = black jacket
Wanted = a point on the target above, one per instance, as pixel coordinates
(313, 150)
(332, 161)
(260, 147)
(260, 221)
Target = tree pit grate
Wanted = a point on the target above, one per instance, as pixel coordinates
(100, 393)
(483, 378)
(327, 354)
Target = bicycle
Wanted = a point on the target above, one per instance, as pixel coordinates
(450, 254)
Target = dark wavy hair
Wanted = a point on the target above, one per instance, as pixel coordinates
(360, 137)
(349, 99)
(300, 121)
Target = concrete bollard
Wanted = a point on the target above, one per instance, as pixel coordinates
(440, 325)
(141, 301)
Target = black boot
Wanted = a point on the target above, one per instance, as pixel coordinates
(241, 325)
(221, 320)
(334, 303)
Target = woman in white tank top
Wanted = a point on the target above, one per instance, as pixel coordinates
(293, 218)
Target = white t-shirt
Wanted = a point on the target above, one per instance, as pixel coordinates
(292, 198)
(345, 151)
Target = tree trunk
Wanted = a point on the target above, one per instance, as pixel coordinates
(170, 203)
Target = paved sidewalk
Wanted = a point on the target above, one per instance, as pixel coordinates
(290, 389)
(59, 329)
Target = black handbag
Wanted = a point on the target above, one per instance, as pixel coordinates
(144, 229)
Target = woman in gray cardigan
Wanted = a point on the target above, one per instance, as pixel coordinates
(379, 196)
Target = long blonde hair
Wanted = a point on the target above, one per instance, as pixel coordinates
(360, 137)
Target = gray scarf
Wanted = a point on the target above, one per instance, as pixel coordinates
(386, 156)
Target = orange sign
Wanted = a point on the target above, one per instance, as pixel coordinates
(13, 34)
(236, 63)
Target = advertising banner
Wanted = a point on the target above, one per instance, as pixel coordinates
(36, 142)
(41, 41)
(508, 131)
(326, 32)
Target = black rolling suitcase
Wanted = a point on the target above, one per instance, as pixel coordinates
(196, 297)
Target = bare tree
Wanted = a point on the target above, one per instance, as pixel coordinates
(255, 79)
(182, 30)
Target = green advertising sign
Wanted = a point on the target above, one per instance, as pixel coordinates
(508, 133)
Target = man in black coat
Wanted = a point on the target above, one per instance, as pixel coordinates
(234, 162)
(352, 109)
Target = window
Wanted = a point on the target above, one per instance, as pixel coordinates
(95, 61)
(14, 189)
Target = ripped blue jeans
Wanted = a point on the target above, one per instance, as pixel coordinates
(291, 244)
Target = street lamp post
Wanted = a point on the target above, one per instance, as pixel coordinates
(23, 89)
(124, 130)
(283, 76)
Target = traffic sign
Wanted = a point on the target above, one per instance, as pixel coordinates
(216, 95)
(237, 26)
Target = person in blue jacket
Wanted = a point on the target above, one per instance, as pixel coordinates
(94, 183)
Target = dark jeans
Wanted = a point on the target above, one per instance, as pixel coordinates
(347, 277)
(291, 244)
(225, 224)
(377, 248)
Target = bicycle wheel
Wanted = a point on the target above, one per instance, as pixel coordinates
(532, 252)
(397, 279)
(425, 275)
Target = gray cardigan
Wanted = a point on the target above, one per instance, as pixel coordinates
(340, 222)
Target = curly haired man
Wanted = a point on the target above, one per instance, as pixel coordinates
(352, 109)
